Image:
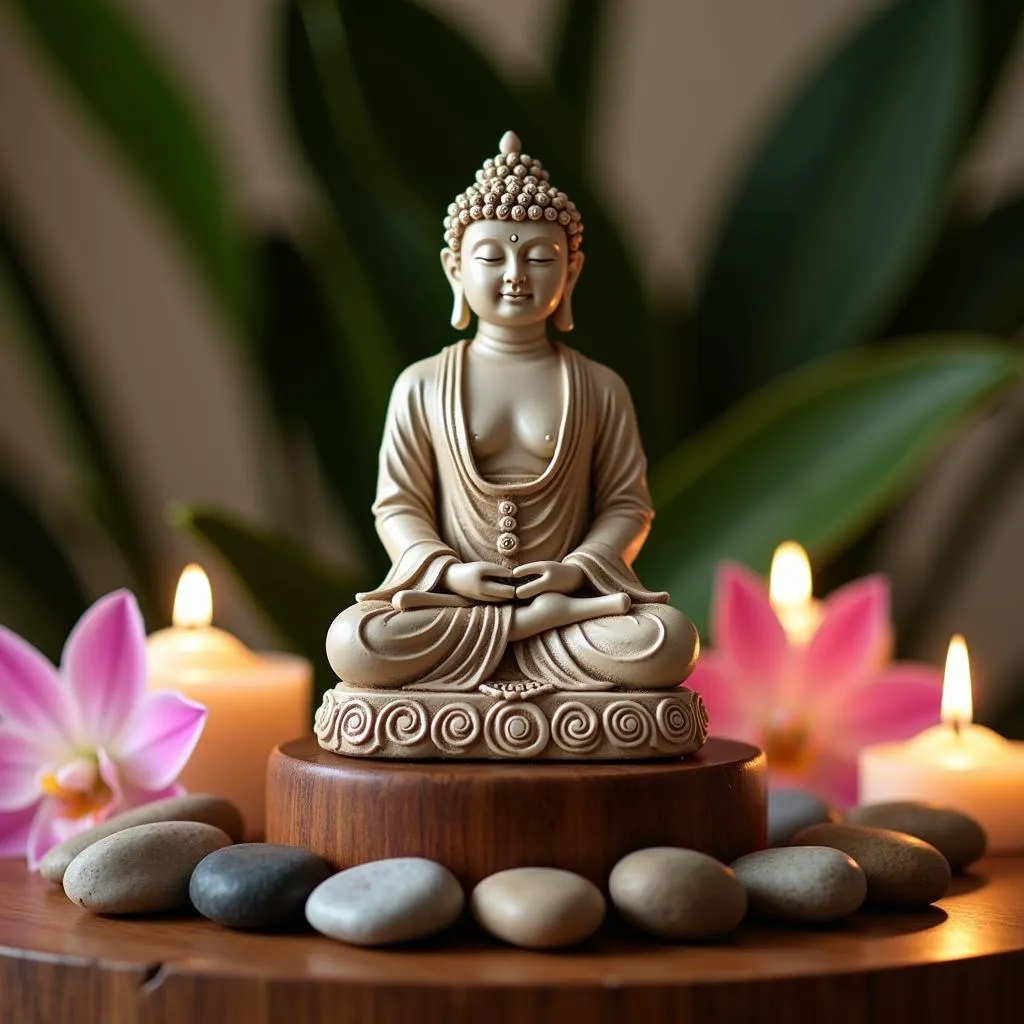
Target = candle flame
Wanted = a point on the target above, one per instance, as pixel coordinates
(193, 600)
(789, 583)
(957, 705)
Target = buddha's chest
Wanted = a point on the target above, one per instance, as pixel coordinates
(513, 411)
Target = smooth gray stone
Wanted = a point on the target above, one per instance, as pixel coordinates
(256, 886)
(805, 884)
(386, 901)
(143, 869)
(677, 894)
(204, 807)
(902, 871)
(538, 908)
(957, 836)
(790, 810)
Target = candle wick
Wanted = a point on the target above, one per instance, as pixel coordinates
(957, 726)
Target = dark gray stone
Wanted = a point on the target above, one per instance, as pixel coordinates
(256, 886)
(790, 810)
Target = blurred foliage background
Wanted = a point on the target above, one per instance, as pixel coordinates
(848, 319)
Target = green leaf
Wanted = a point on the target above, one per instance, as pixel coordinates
(89, 438)
(315, 394)
(41, 596)
(407, 62)
(999, 23)
(122, 83)
(288, 583)
(837, 207)
(975, 281)
(382, 257)
(577, 63)
(812, 457)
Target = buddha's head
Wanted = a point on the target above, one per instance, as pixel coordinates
(513, 252)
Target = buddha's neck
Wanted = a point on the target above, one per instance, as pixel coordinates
(501, 340)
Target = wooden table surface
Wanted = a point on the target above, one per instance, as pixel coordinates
(962, 960)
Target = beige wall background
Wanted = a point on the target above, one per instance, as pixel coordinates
(685, 90)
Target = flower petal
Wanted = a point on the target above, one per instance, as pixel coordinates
(833, 777)
(14, 829)
(43, 834)
(111, 775)
(32, 700)
(104, 663)
(745, 628)
(899, 702)
(733, 709)
(160, 738)
(20, 762)
(853, 637)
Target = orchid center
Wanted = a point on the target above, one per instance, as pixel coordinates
(787, 743)
(78, 787)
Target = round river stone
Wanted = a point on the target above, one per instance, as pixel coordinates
(902, 871)
(539, 908)
(790, 810)
(256, 886)
(806, 884)
(211, 810)
(957, 836)
(677, 894)
(386, 901)
(142, 869)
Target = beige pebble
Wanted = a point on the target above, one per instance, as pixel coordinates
(203, 807)
(807, 884)
(957, 836)
(142, 869)
(539, 908)
(677, 894)
(901, 870)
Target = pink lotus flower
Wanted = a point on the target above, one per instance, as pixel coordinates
(811, 707)
(81, 744)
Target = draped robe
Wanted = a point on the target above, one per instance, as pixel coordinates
(428, 483)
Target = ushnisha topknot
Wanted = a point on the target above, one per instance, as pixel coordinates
(512, 186)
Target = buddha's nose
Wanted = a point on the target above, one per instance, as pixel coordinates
(514, 275)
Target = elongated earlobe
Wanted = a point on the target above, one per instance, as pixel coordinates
(460, 308)
(563, 315)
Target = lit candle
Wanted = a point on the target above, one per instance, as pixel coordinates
(957, 764)
(254, 700)
(790, 592)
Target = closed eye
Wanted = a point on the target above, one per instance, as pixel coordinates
(488, 259)
(540, 260)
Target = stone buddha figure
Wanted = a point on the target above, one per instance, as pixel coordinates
(512, 501)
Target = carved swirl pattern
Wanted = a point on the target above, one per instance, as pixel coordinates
(628, 724)
(516, 729)
(576, 727)
(455, 727)
(401, 723)
(677, 722)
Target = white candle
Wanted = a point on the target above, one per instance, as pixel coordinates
(790, 593)
(254, 700)
(956, 764)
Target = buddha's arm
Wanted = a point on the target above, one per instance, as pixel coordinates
(404, 509)
(621, 501)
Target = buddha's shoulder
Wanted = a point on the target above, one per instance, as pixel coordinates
(603, 378)
(419, 376)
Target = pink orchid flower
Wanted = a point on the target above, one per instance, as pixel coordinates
(811, 707)
(81, 744)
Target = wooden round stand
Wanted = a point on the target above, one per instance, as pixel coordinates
(961, 960)
(478, 818)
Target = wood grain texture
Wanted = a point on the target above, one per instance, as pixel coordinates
(959, 961)
(483, 817)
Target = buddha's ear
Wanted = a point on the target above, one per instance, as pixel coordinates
(563, 313)
(452, 270)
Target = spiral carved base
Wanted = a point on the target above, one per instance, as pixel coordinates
(555, 726)
(482, 817)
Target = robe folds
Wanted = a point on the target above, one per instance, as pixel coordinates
(434, 508)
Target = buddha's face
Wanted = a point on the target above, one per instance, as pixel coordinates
(513, 273)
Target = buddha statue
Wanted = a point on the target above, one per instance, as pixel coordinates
(512, 501)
